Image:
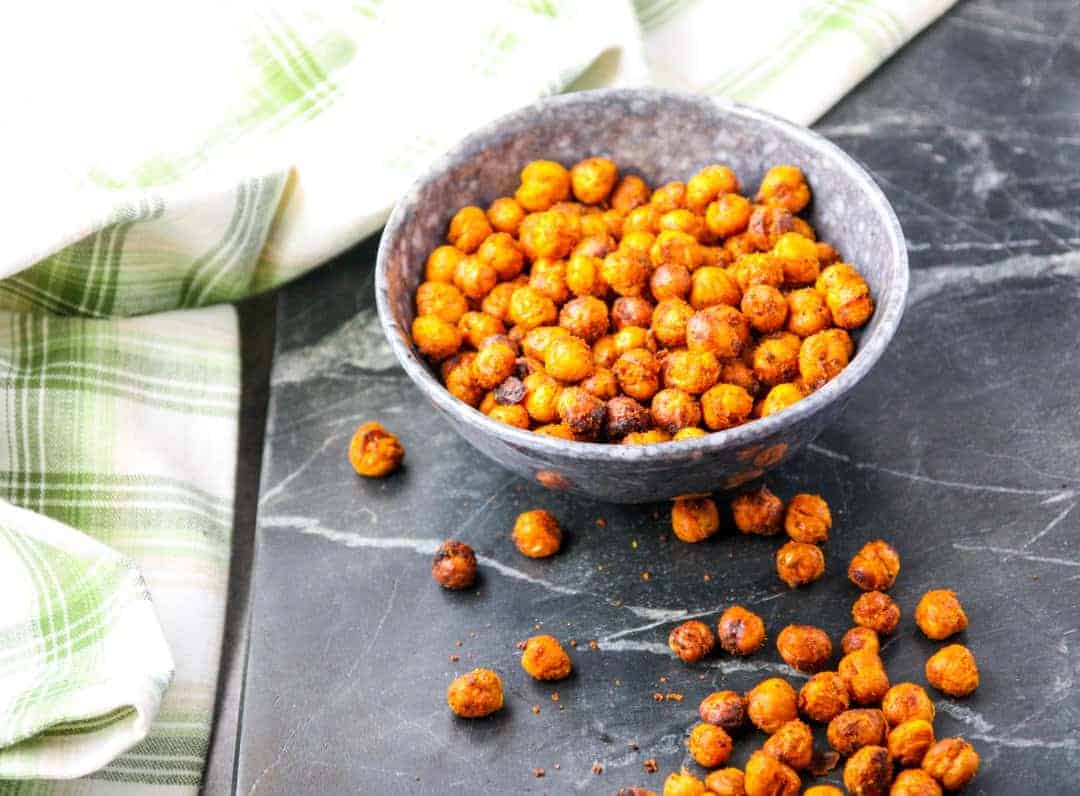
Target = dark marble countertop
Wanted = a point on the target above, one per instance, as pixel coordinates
(962, 447)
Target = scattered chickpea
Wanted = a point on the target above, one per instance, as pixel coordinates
(767, 776)
(804, 648)
(875, 566)
(374, 452)
(877, 611)
(691, 641)
(792, 744)
(726, 782)
(869, 772)
(851, 730)
(799, 564)
(865, 676)
(772, 703)
(914, 782)
(725, 709)
(475, 694)
(545, 659)
(740, 631)
(758, 511)
(709, 745)
(951, 761)
(939, 614)
(909, 742)
(537, 534)
(906, 701)
(808, 519)
(454, 566)
(823, 697)
(952, 670)
(694, 519)
(683, 783)
(860, 638)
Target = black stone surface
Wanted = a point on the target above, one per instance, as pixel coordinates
(963, 449)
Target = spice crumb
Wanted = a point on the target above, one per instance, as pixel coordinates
(573, 642)
(535, 708)
(593, 645)
(455, 658)
(663, 678)
(651, 766)
(557, 766)
(554, 696)
(633, 544)
(538, 772)
(675, 696)
(708, 577)
(634, 746)
(597, 768)
(601, 522)
(618, 683)
(657, 697)
(459, 643)
(645, 575)
(520, 645)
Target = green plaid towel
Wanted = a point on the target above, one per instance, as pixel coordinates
(170, 157)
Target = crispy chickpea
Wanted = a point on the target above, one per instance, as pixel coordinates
(441, 300)
(545, 659)
(906, 701)
(479, 326)
(669, 196)
(582, 411)
(772, 703)
(674, 247)
(869, 772)
(765, 307)
(908, 742)
(476, 694)
(709, 183)
(454, 566)
(725, 406)
(673, 409)
(740, 631)
(541, 397)
(711, 285)
(808, 519)
(683, 783)
(864, 675)
(767, 776)
(850, 304)
(529, 308)
(502, 253)
(536, 342)
(741, 244)
(691, 371)
(549, 278)
(835, 275)
(804, 647)
(798, 563)
(875, 566)
(592, 179)
(823, 790)
(709, 745)
(670, 281)
(627, 271)
(757, 269)
(641, 219)
(682, 220)
(767, 224)
(437, 339)
(807, 312)
(442, 263)
(669, 319)
(537, 534)
(638, 241)
(511, 391)
(651, 437)
(631, 337)
(690, 432)
(638, 373)
(737, 372)
(495, 361)
(939, 614)
(798, 258)
(914, 782)
(823, 697)
(585, 317)
(468, 228)
(725, 709)
(823, 355)
(860, 638)
(595, 244)
(497, 302)
(558, 430)
(792, 744)
(584, 275)
(726, 782)
(953, 671)
(758, 511)
(374, 452)
(505, 215)
(626, 416)
(714, 256)
(877, 611)
(630, 192)
(602, 383)
(728, 215)
(691, 641)
(457, 376)
(604, 352)
(775, 358)
(513, 415)
(720, 329)
(780, 398)
(547, 234)
(543, 183)
(853, 729)
(694, 519)
(631, 311)
(613, 221)
(784, 186)
(951, 761)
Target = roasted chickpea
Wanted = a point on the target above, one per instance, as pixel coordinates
(807, 312)
(650, 437)
(691, 371)
(683, 220)
(683, 783)
(804, 647)
(720, 329)
(908, 742)
(775, 358)
(513, 415)
(823, 790)
(740, 631)
(738, 245)
(541, 397)
(602, 383)
(914, 782)
(823, 697)
(613, 221)
(767, 776)
(543, 183)
(877, 611)
(374, 452)
(808, 519)
(728, 215)
(792, 744)
(691, 641)
(582, 411)
(725, 709)
(442, 263)
(709, 183)
(737, 372)
(714, 256)
(864, 675)
(454, 566)
(798, 257)
(784, 186)
(627, 311)
(669, 196)
(549, 278)
(592, 179)
(853, 729)
(551, 234)
(758, 511)
(536, 342)
(501, 252)
(479, 326)
(638, 373)
(638, 241)
(953, 671)
(670, 281)
(823, 355)
(906, 701)
(725, 406)
(875, 566)
(694, 519)
(627, 271)
(441, 300)
(688, 433)
(771, 704)
(835, 275)
(476, 694)
(767, 224)
(780, 398)
(674, 247)
(709, 745)
(758, 269)
(457, 376)
(641, 219)
(497, 302)
(669, 320)
(673, 409)
(545, 659)
(626, 416)
(468, 228)
(765, 307)
(437, 339)
(711, 285)
(585, 317)
(860, 638)
(951, 761)
(726, 782)
(529, 308)
(869, 772)
(584, 275)
(558, 430)
(537, 534)
(510, 391)
(604, 352)
(505, 215)
(630, 192)
(939, 614)
(850, 304)
(495, 361)
(798, 563)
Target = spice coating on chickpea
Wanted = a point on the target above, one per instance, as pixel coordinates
(792, 744)
(593, 179)
(475, 694)
(951, 761)
(709, 745)
(669, 196)
(650, 437)
(442, 263)
(669, 320)
(758, 511)
(864, 675)
(437, 339)
(712, 181)
(780, 398)
(741, 631)
(627, 271)
(728, 215)
(569, 359)
(823, 790)
(823, 697)
(940, 614)
(545, 659)
(675, 248)
(543, 183)
(725, 406)
(914, 782)
(374, 452)
(765, 307)
(784, 186)
(807, 312)
(626, 416)
(869, 772)
(468, 228)
(875, 566)
(726, 782)
(907, 701)
(495, 361)
(670, 281)
(454, 566)
(808, 519)
(798, 563)
(630, 192)
(720, 330)
(798, 258)
(860, 638)
(725, 709)
(850, 304)
(710, 286)
(952, 670)
(441, 300)
(877, 611)
(767, 776)
(694, 519)
(851, 730)
(514, 415)
(638, 373)
(776, 358)
(822, 356)
(672, 410)
(537, 534)
(909, 742)
(804, 647)
(771, 704)
(691, 641)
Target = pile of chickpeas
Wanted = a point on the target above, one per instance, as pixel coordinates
(590, 307)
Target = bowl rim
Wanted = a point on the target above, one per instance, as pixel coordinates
(889, 312)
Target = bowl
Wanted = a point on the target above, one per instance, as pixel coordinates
(660, 135)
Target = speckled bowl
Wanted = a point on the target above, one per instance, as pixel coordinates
(662, 136)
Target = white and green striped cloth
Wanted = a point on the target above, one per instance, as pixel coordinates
(162, 158)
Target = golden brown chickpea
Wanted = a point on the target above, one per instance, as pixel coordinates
(690, 371)
(374, 452)
(725, 709)
(758, 511)
(673, 409)
(808, 519)
(639, 242)
(437, 339)
(454, 566)
(709, 745)
(602, 384)
(501, 252)
(631, 311)
(626, 416)
(627, 271)
(683, 220)
(877, 611)
(505, 215)
(767, 776)
(613, 221)
(709, 183)
(495, 361)
(767, 224)
(530, 308)
(683, 783)
(835, 275)
(823, 697)
(725, 782)
(457, 376)
(543, 183)
(475, 278)
(737, 372)
(780, 398)
(673, 247)
(807, 313)
(497, 302)
(875, 566)
(714, 256)
(939, 614)
(784, 186)
(850, 304)
(740, 631)
(869, 772)
(765, 307)
(914, 782)
(725, 405)
(441, 300)
(804, 647)
(549, 278)
(541, 397)
(644, 219)
(827, 255)
(771, 704)
(691, 641)
(860, 638)
(585, 317)
(584, 275)
(823, 355)
(757, 269)
(468, 228)
(798, 257)
(792, 744)
(720, 329)
(738, 245)
(776, 358)
(853, 729)
(728, 215)
(823, 790)
(537, 534)
(550, 234)
(864, 675)
(479, 326)
(952, 670)
(476, 694)
(558, 430)
(575, 209)
(638, 373)
(545, 659)
(651, 437)
(582, 411)
(711, 285)
(598, 244)
(442, 263)
(669, 320)
(694, 519)
(689, 433)
(592, 179)
(604, 352)
(799, 564)
(670, 281)
(669, 196)
(951, 761)
(513, 415)
(907, 701)
(908, 742)
(630, 192)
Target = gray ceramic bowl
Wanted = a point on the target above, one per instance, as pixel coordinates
(662, 136)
